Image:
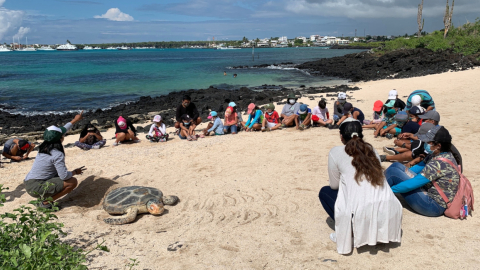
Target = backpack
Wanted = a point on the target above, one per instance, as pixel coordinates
(462, 201)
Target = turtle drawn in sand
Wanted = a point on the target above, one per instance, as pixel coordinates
(134, 200)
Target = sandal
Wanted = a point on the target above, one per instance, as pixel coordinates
(189, 138)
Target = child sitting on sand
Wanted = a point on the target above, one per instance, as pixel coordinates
(389, 112)
(187, 129)
(216, 126)
(90, 138)
(377, 115)
(271, 120)
(231, 119)
(124, 131)
(255, 118)
(304, 117)
(395, 128)
(320, 115)
(157, 131)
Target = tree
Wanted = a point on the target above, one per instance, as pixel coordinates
(245, 40)
(447, 18)
(298, 42)
(419, 19)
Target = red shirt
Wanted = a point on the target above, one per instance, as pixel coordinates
(272, 118)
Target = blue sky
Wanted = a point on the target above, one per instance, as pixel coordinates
(103, 21)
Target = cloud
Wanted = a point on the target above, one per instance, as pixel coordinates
(374, 8)
(9, 19)
(114, 14)
(22, 31)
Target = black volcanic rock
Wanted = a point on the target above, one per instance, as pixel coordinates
(367, 66)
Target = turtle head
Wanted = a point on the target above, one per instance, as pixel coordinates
(155, 207)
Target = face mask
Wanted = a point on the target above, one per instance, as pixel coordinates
(186, 124)
(427, 149)
(270, 113)
(342, 101)
(391, 112)
(185, 104)
(291, 101)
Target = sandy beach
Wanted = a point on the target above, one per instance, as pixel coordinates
(250, 201)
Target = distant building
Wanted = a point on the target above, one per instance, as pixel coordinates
(283, 39)
(304, 39)
(314, 37)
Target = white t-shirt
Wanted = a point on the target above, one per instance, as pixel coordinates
(321, 113)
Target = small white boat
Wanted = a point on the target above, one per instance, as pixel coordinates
(97, 48)
(67, 47)
(4, 49)
(228, 48)
(87, 48)
(123, 48)
(111, 48)
(45, 48)
(26, 48)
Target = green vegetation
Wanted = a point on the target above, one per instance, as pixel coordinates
(464, 39)
(298, 42)
(367, 45)
(29, 239)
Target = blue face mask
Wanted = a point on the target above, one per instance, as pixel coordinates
(186, 124)
(427, 149)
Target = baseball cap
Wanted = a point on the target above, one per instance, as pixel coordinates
(377, 106)
(424, 128)
(54, 134)
(401, 117)
(186, 117)
(251, 106)
(390, 103)
(430, 135)
(433, 115)
(416, 110)
(392, 95)
(347, 107)
(416, 100)
(351, 127)
(157, 118)
(303, 109)
(270, 106)
(342, 95)
(232, 104)
(212, 114)
(443, 136)
(24, 145)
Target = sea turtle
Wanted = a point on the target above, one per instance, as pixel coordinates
(130, 201)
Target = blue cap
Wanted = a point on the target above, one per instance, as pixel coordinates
(401, 117)
(303, 109)
(213, 113)
(232, 104)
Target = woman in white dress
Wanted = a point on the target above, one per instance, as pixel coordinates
(359, 199)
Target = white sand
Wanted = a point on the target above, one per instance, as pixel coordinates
(250, 201)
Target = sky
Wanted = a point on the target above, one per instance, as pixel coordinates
(106, 21)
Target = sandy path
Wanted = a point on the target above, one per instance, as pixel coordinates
(250, 201)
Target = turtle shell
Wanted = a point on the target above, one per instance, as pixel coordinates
(118, 200)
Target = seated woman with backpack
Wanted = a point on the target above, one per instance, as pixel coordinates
(90, 138)
(125, 131)
(420, 184)
(358, 199)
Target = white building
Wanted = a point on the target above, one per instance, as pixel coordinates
(302, 38)
(282, 39)
(314, 37)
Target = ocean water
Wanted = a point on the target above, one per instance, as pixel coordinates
(40, 82)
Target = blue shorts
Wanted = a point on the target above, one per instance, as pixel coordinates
(230, 129)
(397, 130)
(183, 138)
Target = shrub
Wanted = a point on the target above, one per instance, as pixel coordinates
(29, 239)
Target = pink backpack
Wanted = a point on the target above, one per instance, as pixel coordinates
(462, 203)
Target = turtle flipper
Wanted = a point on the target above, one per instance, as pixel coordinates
(170, 200)
(127, 218)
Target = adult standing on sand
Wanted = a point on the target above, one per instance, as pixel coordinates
(49, 167)
(125, 131)
(359, 194)
(289, 112)
(187, 107)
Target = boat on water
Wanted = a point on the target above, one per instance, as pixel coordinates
(26, 48)
(228, 48)
(4, 49)
(67, 47)
(123, 48)
(45, 48)
(111, 48)
(97, 48)
(88, 48)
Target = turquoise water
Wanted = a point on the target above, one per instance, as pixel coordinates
(35, 82)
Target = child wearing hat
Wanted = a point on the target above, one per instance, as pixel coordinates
(289, 112)
(338, 106)
(271, 120)
(125, 131)
(350, 111)
(17, 149)
(395, 128)
(255, 118)
(217, 125)
(389, 112)
(320, 115)
(231, 119)
(158, 131)
(187, 128)
(304, 117)
(377, 115)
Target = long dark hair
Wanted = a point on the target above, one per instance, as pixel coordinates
(84, 131)
(47, 147)
(447, 147)
(364, 157)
